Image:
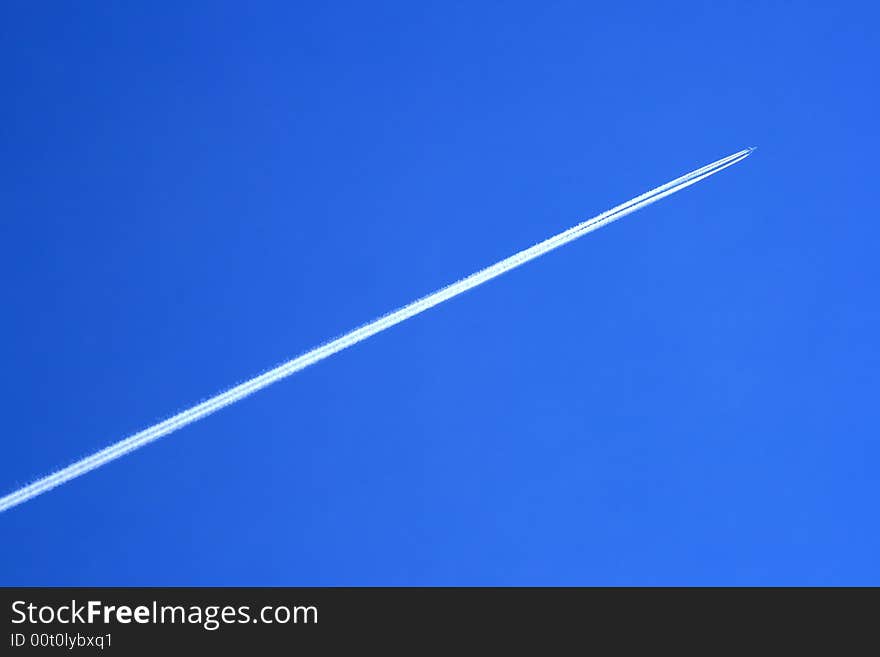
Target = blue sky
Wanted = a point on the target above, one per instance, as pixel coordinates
(194, 194)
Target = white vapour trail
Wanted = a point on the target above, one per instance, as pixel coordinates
(251, 386)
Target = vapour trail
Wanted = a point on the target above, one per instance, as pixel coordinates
(197, 412)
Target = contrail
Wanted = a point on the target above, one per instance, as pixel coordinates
(197, 412)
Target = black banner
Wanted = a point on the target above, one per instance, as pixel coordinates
(135, 620)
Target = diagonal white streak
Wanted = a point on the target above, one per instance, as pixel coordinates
(197, 412)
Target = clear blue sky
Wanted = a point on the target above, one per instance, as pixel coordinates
(192, 194)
